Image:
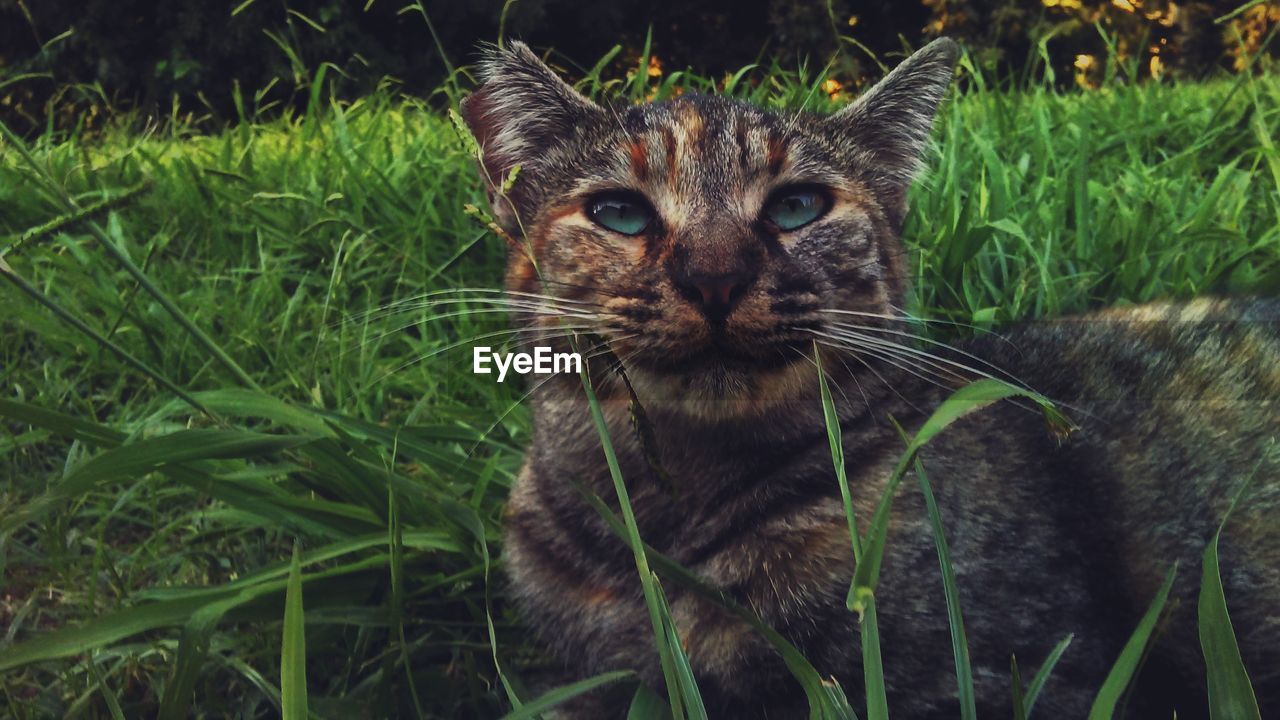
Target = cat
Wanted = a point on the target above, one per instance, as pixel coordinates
(706, 244)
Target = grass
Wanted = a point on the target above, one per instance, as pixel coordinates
(245, 395)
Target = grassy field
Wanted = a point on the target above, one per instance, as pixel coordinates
(215, 352)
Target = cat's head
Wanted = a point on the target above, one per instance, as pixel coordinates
(709, 241)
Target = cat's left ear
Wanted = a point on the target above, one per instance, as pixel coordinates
(520, 112)
(888, 126)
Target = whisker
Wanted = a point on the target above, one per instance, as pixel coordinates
(899, 348)
(478, 295)
(933, 376)
(931, 341)
(493, 291)
(548, 334)
(814, 363)
(858, 383)
(501, 303)
(873, 371)
(453, 346)
(888, 351)
(462, 313)
(900, 315)
(955, 323)
(892, 353)
(496, 333)
(598, 349)
(1008, 376)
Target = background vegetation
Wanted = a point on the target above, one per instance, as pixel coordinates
(218, 349)
(72, 62)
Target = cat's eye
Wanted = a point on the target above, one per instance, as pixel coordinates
(796, 207)
(621, 212)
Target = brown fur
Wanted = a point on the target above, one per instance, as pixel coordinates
(1049, 536)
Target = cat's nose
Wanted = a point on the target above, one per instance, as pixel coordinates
(715, 295)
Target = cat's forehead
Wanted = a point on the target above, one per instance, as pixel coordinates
(703, 142)
(698, 113)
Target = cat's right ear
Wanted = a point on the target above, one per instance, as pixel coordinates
(888, 126)
(521, 111)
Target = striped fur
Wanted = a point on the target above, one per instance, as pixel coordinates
(1050, 536)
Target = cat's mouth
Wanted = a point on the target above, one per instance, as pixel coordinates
(721, 355)
(720, 379)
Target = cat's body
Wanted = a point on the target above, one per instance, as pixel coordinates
(1048, 537)
(710, 312)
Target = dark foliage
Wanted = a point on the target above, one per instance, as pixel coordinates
(195, 57)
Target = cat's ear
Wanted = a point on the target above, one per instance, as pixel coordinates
(521, 110)
(889, 124)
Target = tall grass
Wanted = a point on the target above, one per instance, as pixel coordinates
(197, 377)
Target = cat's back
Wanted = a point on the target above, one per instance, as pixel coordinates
(1167, 357)
(1176, 407)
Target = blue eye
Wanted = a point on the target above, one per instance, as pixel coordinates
(796, 208)
(620, 212)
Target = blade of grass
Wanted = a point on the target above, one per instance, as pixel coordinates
(872, 665)
(835, 439)
(235, 402)
(112, 627)
(467, 518)
(647, 705)
(1042, 675)
(1019, 704)
(970, 398)
(1230, 692)
(69, 205)
(86, 431)
(684, 672)
(1238, 11)
(565, 693)
(869, 630)
(395, 555)
(826, 699)
(955, 618)
(293, 648)
(66, 220)
(34, 293)
(193, 648)
(1104, 705)
(139, 458)
(640, 81)
(108, 697)
(653, 602)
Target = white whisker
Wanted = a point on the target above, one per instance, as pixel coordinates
(498, 304)
(899, 349)
(872, 370)
(461, 313)
(599, 349)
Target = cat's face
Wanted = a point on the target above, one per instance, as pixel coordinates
(709, 240)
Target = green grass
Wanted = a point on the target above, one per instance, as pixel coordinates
(147, 540)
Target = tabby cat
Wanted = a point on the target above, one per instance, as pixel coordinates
(706, 244)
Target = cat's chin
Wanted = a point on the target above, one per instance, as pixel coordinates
(727, 390)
